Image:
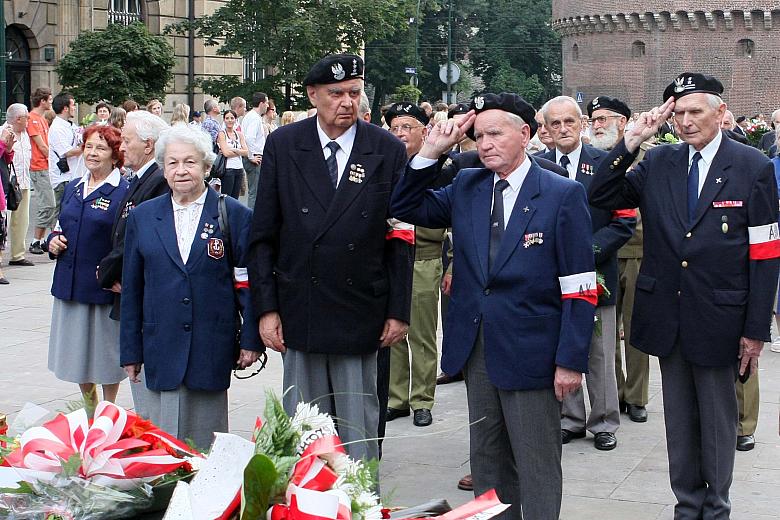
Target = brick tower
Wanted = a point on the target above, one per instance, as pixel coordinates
(632, 49)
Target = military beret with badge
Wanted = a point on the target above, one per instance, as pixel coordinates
(608, 103)
(507, 102)
(406, 109)
(458, 110)
(693, 83)
(335, 68)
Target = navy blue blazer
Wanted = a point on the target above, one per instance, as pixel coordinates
(611, 229)
(528, 327)
(702, 284)
(86, 223)
(179, 319)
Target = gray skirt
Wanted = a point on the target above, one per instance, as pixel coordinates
(188, 414)
(84, 343)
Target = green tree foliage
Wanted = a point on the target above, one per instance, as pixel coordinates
(406, 93)
(290, 35)
(119, 63)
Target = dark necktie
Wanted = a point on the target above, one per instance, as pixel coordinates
(333, 166)
(693, 186)
(565, 162)
(497, 220)
(133, 179)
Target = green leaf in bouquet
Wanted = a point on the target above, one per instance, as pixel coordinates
(260, 477)
(71, 467)
(277, 436)
(24, 489)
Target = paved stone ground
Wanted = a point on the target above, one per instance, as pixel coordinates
(630, 482)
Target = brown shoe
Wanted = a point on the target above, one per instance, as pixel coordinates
(445, 379)
(466, 483)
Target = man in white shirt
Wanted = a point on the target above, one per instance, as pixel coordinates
(252, 126)
(63, 144)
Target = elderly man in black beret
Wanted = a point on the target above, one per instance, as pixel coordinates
(330, 279)
(705, 290)
(523, 296)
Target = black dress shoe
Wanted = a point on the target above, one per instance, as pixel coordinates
(422, 417)
(605, 441)
(568, 435)
(745, 442)
(637, 413)
(4, 280)
(445, 379)
(23, 262)
(623, 406)
(36, 248)
(393, 414)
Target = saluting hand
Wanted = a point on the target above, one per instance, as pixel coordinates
(749, 351)
(566, 382)
(444, 135)
(394, 331)
(271, 332)
(648, 124)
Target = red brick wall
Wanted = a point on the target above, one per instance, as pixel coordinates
(606, 67)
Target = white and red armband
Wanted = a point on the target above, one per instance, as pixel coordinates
(764, 242)
(399, 230)
(581, 286)
(240, 278)
(624, 213)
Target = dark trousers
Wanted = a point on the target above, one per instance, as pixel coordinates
(232, 182)
(382, 390)
(700, 410)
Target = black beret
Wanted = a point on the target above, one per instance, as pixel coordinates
(507, 102)
(741, 118)
(406, 109)
(608, 103)
(459, 109)
(334, 68)
(691, 83)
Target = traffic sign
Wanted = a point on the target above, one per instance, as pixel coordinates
(580, 97)
(454, 73)
(411, 70)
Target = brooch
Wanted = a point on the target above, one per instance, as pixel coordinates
(531, 239)
(356, 173)
(216, 248)
(208, 230)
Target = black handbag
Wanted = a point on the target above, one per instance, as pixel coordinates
(219, 168)
(13, 196)
(225, 227)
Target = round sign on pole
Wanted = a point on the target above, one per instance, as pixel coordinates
(454, 73)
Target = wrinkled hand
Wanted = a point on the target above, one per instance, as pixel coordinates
(394, 331)
(256, 160)
(446, 283)
(749, 351)
(271, 332)
(132, 372)
(246, 358)
(446, 134)
(117, 287)
(566, 382)
(58, 244)
(648, 124)
(9, 138)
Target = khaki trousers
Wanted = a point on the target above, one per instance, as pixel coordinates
(748, 398)
(633, 385)
(20, 222)
(421, 344)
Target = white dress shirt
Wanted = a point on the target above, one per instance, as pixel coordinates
(143, 169)
(62, 139)
(707, 156)
(510, 193)
(254, 135)
(345, 141)
(186, 219)
(574, 160)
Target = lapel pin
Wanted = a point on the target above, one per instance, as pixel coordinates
(718, 180)
(204, 236)
(526, 209)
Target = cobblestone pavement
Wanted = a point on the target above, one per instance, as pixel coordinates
(629, 483)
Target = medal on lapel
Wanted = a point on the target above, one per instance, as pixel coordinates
(530, 239)
(101, 204)
(126, 210)
(356, 173)
(216, 248)
(208, 230)
(587, 169)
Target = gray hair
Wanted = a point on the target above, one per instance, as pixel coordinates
(364, 107)
(561, 99)
(185, 134)
(209, 105)
(516, 120)
(147, 125)
(15, 111)
(714, 101)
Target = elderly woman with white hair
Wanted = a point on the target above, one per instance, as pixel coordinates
(184, 283)
(16, 124)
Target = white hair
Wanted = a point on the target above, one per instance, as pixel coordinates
(561, 99)
(714, 101)
(516, 120)
(147, 125)
(16, 111)
(186, 134)
(774, 114)
(364, 107)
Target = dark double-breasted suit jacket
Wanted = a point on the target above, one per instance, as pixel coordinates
(529, 324)
(179, 319)
(702, 284)
(152, 184)
(325, 258)
(611, 229)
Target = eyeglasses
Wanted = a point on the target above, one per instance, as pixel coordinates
(600, 119)
(405, 128)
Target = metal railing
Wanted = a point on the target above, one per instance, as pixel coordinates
(124, 18)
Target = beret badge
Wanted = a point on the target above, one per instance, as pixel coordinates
(479, 102)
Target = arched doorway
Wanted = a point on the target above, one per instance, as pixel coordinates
(17, 69)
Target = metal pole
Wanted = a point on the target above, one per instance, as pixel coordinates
(449, 53)
(417, 43)
(3, 59)
(191, 56)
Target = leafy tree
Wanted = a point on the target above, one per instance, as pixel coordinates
(290, 35)
(406, 93)
(119, 63)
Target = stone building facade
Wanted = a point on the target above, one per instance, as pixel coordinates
(38, 34)
(632, 49)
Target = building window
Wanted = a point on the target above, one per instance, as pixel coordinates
(575, 52)
(251, 70)
(124, 11)
(637, 49)
(746, 48)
